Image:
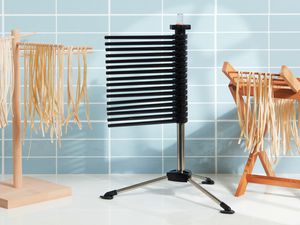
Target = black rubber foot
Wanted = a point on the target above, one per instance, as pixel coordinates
(208, 181)
(179, 176)
(109, 195)
(227, 209)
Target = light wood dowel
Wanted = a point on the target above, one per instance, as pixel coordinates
(16, 120)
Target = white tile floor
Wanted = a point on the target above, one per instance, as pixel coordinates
(161, 203)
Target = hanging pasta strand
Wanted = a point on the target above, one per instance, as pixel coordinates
(44, 88)
(6, 79)
(278, 117)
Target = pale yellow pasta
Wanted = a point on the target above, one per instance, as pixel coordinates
(6, 79)
(262, 114)
(44, 93)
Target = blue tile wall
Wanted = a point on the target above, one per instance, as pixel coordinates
(257, 34)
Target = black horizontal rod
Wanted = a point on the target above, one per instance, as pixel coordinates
(140, 83)
(171, 59)
(140, 37)
(160, 65)
(160, 116)
(139, 49)
(149, 54)
(140, 71)
(155, 77)
(147, 111)
(161, 99)
(141, 106)
(142, 123)
(144, 94)
(159, 88)
(140, 43)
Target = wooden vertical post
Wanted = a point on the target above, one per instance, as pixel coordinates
(16, 119)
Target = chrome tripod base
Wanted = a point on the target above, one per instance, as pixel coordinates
(176, 176)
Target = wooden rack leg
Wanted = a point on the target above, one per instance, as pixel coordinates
(247, 170)
(266, 164)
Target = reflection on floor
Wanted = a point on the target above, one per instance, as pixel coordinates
(161, 203)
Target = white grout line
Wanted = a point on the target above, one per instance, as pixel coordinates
(162, 125)
(165, 32)
(149, 14)
(125, 139)
(109, 130)
(215, 84)
(3, 130)
(146, 156)
(56, 41)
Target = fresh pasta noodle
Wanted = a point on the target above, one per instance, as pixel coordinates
(261, 113)
(6, 79)
(44, 93)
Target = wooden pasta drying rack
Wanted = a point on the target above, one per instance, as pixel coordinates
(23, 190)
(286, 86)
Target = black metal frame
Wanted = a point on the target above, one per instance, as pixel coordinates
(162, 99)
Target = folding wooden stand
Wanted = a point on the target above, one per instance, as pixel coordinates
(24, 190)
(287, 87)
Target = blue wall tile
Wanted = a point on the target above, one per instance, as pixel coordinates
(289, 58)
(135, 6)
(285, 41)
(228, 129)
(244, 58)
(137, 165)
(152, 131)
(227, 111)
(200, 94)
(284, 23)
(191, 6)
(200, 76)
(136, 148)
(236, 6)
(26, 24)
(200, 41)
(240, 23)
(287, 6)
(82, 24)
(33, 165)
(201, 111)
(231, 148)
(97, 130)
(242, 41)
(82, 165)
(83, 148)
(33, 148)
(87, 6)
(29, 6)
(135, 24)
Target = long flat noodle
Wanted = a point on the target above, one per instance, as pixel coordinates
(6, 79)
(44, 89)
(278, 117)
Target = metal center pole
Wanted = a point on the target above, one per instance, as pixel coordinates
(180, 147)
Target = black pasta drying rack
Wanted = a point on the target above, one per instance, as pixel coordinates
(147, 84)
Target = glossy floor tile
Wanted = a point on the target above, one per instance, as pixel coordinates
(161, 203)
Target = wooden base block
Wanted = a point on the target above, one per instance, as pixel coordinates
(33, 191)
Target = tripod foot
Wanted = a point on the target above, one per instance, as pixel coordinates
(109, 195)
(227, 209)
(208, 181)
